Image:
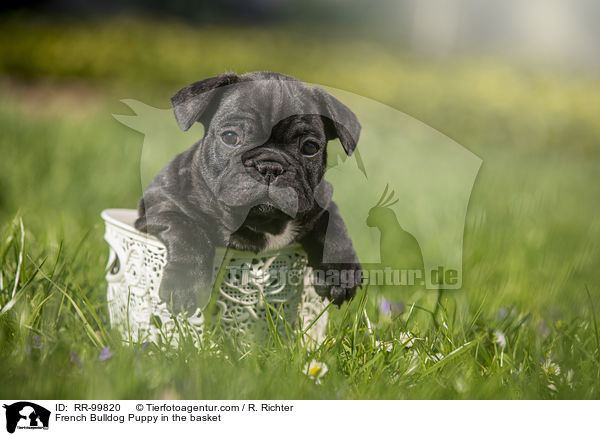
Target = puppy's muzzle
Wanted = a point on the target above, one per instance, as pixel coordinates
(266, 168)
(269, 170)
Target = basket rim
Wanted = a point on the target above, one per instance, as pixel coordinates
(124, 219)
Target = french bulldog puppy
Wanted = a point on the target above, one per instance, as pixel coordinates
(253, 182)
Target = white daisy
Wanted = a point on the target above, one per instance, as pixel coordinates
(315, 370)
(499, 338)
(384, 346)
(406, 339)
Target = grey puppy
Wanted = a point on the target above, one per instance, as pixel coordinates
(253, 182)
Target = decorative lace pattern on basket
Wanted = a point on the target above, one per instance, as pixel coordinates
(254, 288)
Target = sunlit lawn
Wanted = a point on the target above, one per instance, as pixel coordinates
(523, 326)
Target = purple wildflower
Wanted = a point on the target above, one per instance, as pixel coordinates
(105, 353)
(36, 341)
(385, 306)
(75, 358)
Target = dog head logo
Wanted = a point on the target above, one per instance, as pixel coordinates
(26, 415)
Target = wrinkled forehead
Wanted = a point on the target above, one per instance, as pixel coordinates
(269, 100)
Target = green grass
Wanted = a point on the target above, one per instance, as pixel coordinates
(531, 252)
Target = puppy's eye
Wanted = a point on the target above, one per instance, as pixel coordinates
(230, 138)
(309, 148)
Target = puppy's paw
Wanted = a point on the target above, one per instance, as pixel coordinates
(338, 294)
(336, 282)
(181, 289)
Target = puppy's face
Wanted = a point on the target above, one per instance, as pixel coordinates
(259, 157)
(264, 149)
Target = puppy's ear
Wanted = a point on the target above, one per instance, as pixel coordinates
(191, 103)
(340, 121)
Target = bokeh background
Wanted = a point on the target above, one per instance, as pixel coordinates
(514, 82)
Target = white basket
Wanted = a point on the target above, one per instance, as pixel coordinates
(278, 278)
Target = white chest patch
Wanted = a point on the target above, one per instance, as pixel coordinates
(275, 242)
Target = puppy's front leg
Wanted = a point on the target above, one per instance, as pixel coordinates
(187, 277)
(337, 271)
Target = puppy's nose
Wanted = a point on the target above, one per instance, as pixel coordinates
(269, 170)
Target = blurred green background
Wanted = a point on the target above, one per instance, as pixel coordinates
(516, 85)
